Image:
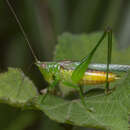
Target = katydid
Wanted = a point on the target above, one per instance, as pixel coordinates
(76, 74)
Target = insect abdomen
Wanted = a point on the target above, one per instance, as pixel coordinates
(94, 77)
(91, 77)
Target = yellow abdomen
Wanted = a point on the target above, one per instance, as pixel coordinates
(94, 77)
(91, 77)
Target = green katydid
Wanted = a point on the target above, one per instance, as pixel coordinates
(76, 74)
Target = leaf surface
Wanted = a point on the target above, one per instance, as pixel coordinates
(15, 88)
(110, 112)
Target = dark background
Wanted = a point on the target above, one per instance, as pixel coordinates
(43, 21)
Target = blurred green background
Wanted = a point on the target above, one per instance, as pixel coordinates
(43, 21)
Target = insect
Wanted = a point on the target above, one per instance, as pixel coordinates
(75, 74)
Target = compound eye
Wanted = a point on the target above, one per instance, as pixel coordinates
(43, 65)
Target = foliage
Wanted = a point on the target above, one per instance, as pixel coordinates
(109, 111)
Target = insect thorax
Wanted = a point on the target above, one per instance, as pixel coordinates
(50, 70)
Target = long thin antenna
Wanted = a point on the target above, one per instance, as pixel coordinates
(22, 29)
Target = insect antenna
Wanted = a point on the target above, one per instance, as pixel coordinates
(22, 29)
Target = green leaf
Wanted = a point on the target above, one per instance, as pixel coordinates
(75, 47)
(15, 88)
(109, 111)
